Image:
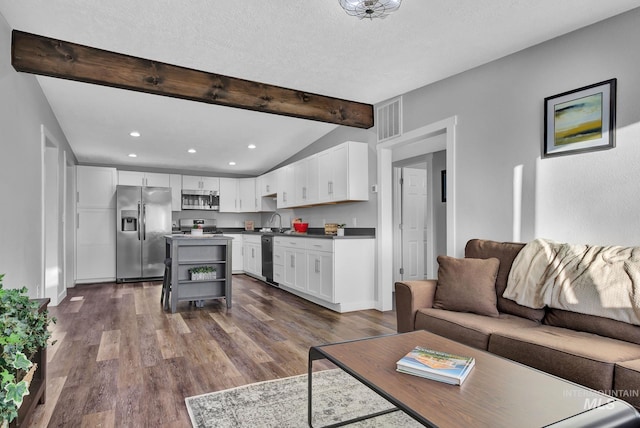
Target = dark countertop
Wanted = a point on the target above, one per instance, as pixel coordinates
(203, 236)
(350, 233)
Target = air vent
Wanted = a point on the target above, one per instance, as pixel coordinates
(390, 120)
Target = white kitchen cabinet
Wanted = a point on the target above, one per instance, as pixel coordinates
(278, 263)
(295, 268)
(290, 255)
(95, 245)
(305, 181)
(335, 273)
(252, 249)
(238, 195)
(193, 182)
(286, 188)
(343, 173)
(96, 187)
(96, 224)
(228, 195)
(175, 182)
(267, 191)
(320, 269)
(149, 179)
(266, 203)
(320, 275)
(237, 258)
(247, 195)
(267, 184)
(155, 179)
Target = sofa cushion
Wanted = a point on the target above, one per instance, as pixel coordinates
(470, 329)
(593, 324)
(584, 358)
(506, 252)
(467, 285)
(626, 382)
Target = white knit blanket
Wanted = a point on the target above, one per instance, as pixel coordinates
(594, 280)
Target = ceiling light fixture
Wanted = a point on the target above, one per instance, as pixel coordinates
(133, 155)
(370, 8)
(251, 146)
(191, 150)
(232, 163)
(135, 134)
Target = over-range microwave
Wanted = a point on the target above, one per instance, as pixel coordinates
(200, 200)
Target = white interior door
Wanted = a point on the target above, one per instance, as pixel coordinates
(414, 205)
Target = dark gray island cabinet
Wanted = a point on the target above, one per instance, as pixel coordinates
(194, 259)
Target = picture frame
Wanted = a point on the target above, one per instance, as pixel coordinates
(443, 185)
(581, 120)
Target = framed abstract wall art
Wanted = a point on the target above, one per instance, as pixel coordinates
(581, 120)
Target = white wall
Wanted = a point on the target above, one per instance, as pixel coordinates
(586, 198)
(23, 108)
(593, 197)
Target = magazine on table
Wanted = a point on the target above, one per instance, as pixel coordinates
(436, 365)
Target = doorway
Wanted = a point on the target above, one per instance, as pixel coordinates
(410, 222)
(420, 221)
(431, 138)
(53, 202)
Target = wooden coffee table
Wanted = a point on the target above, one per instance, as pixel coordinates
(498, 392)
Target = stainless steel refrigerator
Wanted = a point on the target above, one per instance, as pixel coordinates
(144, 218)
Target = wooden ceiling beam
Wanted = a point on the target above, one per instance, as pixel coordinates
(41, 55)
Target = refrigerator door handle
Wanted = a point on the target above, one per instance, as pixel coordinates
(139, 220)
(144, 222)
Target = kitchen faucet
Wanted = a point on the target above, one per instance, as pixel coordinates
(280, 221)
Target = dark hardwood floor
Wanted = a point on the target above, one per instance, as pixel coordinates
(121, 361)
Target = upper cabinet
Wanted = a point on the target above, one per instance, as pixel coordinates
(267, 184)
(238, 195)
(286, 187)
(191, 182)
(305, 179)
(175, 181)
(343, 173)
(338, 174)
(150, 179)
(229, 195)
(247, 195)
(96, 187)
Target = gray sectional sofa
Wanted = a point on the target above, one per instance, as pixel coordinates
(594, 351)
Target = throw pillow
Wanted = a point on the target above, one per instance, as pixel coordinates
(467, 285)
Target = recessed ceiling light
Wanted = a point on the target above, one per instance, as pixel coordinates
(232, 163)
(191, 150)
(133, 155)
(134, 134)
(251, 146)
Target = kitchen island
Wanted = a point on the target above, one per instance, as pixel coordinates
(207, 255)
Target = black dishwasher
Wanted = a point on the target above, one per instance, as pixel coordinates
(267, 258)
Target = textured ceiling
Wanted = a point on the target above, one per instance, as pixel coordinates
(307, 45)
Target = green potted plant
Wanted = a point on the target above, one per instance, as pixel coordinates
(201, 273)
(340, 230)
(23, 330)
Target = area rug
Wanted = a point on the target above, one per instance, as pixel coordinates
(283, 403)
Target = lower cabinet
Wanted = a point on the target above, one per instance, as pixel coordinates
(295, 268)
(237, 253)
(96, 245)
(335, 273)
(252, 249)
(320, 275)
